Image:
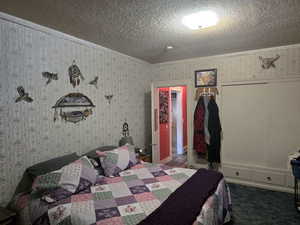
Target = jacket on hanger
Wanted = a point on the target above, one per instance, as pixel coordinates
(199, 136)
(206, 116)
(214, 127)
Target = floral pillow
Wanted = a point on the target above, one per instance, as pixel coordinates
(62, 183)
(117, 160)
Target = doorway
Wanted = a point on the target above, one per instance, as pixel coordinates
(178, 126)
(170, 123)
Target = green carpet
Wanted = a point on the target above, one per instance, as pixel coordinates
(254, 206)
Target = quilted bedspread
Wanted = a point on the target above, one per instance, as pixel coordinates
(123, 200)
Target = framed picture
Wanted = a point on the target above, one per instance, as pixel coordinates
(206, 78)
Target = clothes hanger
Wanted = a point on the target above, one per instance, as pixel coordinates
(206, 91)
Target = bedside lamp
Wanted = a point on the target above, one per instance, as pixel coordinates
(126, 139)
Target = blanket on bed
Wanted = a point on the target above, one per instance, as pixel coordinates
(123, 200)
(184, 205)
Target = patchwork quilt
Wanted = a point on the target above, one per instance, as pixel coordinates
(123, 200)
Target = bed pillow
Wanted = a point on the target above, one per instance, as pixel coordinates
(42, 168)
(94, 158)
(117, 160)
(52, 164)
(62, 183)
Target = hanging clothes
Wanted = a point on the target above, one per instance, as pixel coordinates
(199, 136)
(206, 116)
(214, 127)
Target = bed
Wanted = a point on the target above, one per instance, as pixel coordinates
(143, 194)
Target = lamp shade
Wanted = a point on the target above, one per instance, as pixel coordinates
(126, 140)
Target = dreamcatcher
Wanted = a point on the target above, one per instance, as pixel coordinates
(75, 74)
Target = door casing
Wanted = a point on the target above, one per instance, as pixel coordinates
(155, 116)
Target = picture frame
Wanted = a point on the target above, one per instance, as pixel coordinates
(206, 78)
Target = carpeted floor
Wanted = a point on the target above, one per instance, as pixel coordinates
(254, 206)
(178, 161)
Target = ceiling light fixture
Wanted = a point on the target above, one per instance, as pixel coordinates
(169, 47)
(200, 20)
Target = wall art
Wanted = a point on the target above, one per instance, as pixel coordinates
(76, 116)
(163, 106)
(267, 63)
(73, 100)
(109, 98)
(23, 96)
(50, 76)
(75, 74)
(206, 78)
(94, 82)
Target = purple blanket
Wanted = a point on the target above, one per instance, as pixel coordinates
(184, 205)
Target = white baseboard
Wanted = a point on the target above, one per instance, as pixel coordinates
(258, 185)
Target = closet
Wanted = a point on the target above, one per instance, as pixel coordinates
(261, 126)
(206, 129)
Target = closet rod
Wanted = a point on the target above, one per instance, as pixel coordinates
(241, 84)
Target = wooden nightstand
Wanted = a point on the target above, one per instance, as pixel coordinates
(7, 217)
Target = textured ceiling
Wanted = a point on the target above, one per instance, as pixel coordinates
(142, 28)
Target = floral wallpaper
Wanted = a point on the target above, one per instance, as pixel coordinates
(28, 134)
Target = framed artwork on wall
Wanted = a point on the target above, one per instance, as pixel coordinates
(206, 78)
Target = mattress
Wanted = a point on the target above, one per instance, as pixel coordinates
(124, 200)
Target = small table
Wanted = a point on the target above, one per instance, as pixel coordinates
(6, 216)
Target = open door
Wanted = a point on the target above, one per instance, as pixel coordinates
(162, 118)
(154, 122)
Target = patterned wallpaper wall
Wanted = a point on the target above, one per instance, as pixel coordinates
(27, 132)
(243, 66)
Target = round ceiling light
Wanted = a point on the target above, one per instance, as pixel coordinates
(200, 20)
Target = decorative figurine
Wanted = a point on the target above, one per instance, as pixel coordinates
(126, 139)
(125, 130)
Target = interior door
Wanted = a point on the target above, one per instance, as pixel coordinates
(162, 124)
(155, 125)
